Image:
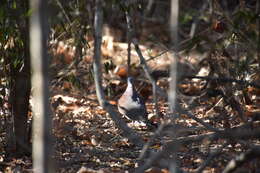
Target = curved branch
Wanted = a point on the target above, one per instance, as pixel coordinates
(142, 61)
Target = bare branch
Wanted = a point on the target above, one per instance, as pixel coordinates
(241, 159)
(211, 157)
(197, 19)
(182, 46)
(238, 133)
(142, 61)
(190, 115)
(129, 41)
(151, 140)
(258, 28)
(64, 12)
(224, 80)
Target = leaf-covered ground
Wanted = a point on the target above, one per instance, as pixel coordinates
(87, 140)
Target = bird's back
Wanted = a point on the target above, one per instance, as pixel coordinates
(132, 105)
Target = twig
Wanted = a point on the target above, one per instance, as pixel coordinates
(190, 115)
(210, 158)
(149, 8)
(224, 80)
(167, 150)
(63, 11)
(151, 140)
(238, 133)
(181, 47)
(241, 159)
(258, 30)
(142, 61)
(129, 41)
(234, 104)
(196, 20)
(236, 31)
(164, 127)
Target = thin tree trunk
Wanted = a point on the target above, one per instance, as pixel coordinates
(42, 149)
(173, 83)
(21, 87)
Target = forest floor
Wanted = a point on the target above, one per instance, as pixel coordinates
(86, 139)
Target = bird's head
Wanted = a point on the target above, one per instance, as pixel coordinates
(130, 80)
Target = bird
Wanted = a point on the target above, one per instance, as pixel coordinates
(131, 104)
